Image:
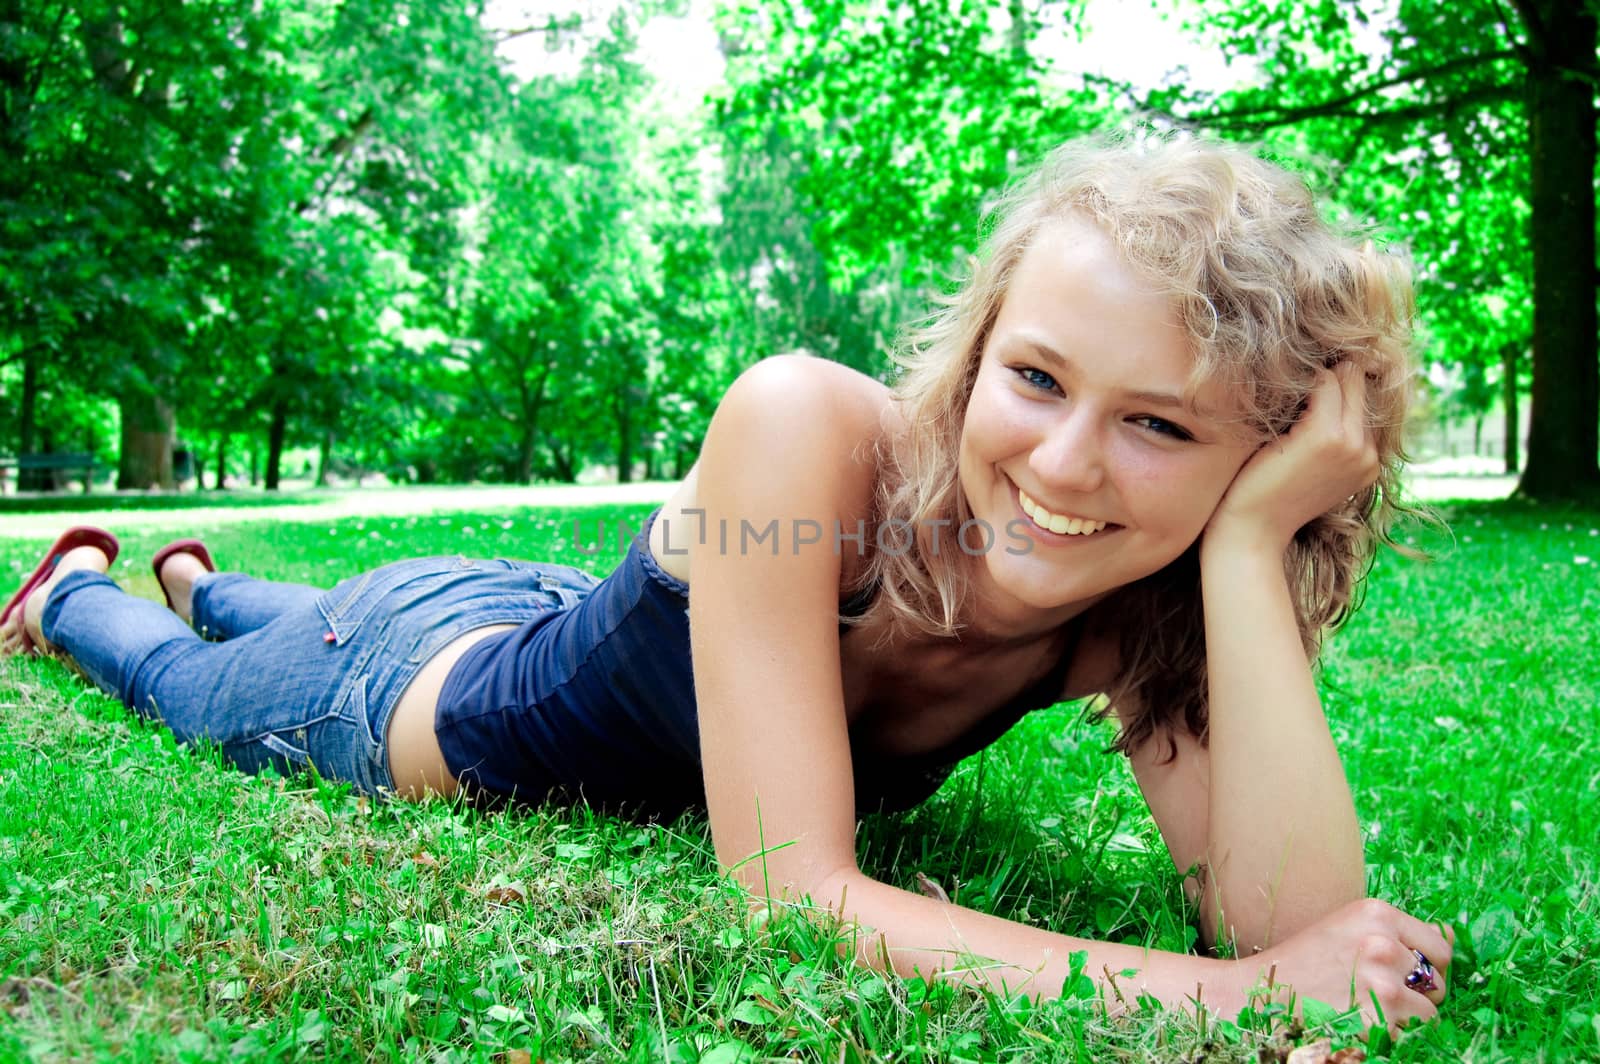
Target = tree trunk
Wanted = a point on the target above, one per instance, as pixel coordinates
(30, 399)
(1508, 384)
(624, 448)
(624, 402)
(525, 442)
(1020, 31)
(564, 461)
(530, 400)
(27, 421)
(222, 461)
(1564, 429)
(324, 454)
(277, 430)
(147, 438)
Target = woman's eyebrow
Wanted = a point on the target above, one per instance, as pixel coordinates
(1170, 399)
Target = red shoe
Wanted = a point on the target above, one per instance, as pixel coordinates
(180, 546)
(71, 539)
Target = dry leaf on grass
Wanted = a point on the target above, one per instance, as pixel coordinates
(506, 894)
(1320, 1052)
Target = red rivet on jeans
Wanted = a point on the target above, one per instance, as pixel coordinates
(329, 637)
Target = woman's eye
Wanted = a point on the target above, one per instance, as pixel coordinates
(1038, 378)
(1163, 427)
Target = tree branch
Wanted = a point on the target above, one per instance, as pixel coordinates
(56, 44)
(1289, 116)
(1527, 52)
(551, 25)
(339, 149)
(1538, 36)
(1334, 105)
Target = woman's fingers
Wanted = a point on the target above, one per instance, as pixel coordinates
(1438, 944)
(1326, 403)
(1411, 967)
(1362, 954)
(1352, 402)
(1432, 953)
(1348, 444)
(1382, 991)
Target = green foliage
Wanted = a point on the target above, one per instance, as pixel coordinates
(218, 202)
(861, 144)
(560, 348)
(1426, 132)
(346, 226)
(1424, 113)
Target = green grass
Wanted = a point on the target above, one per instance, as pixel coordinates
(156, 905)
(67, 503)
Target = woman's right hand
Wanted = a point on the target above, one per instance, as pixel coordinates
(1358, 955)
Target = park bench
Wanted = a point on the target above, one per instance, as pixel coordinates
(49, 463)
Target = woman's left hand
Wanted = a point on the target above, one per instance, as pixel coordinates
(1328, 456)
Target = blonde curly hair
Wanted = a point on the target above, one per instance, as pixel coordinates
(1268, 292)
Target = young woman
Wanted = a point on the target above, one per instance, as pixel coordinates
(1145, 452)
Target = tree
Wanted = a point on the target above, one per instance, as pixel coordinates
(861, 143)
(111, 154)
(1460, 95)
(564, 346)
(151, 204)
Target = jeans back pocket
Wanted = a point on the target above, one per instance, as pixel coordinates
(351, 602)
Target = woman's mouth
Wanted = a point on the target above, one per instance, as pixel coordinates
(1060, 524)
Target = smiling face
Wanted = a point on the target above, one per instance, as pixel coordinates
(1078, 430)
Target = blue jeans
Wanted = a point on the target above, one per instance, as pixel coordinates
(289, 675)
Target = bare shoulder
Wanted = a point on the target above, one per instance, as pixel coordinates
(826, 396)
(802, 421)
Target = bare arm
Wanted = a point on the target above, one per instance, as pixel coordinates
(1265, 813)
(1284, 848)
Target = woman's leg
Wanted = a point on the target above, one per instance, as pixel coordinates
(226, 605)
(315, 686)
(270, 697)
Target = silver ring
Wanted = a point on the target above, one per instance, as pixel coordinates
(1422, 977)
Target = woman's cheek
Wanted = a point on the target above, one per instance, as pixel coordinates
(1144, 470)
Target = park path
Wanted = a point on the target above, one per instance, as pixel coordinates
(336, 504)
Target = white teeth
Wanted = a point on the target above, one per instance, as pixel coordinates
(1058, 523)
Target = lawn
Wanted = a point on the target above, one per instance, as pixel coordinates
(157, 905)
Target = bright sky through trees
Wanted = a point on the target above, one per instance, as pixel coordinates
(1140, 43)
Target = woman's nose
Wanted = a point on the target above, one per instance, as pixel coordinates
(1071, 456)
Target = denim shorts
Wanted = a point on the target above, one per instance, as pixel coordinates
(289, 676)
